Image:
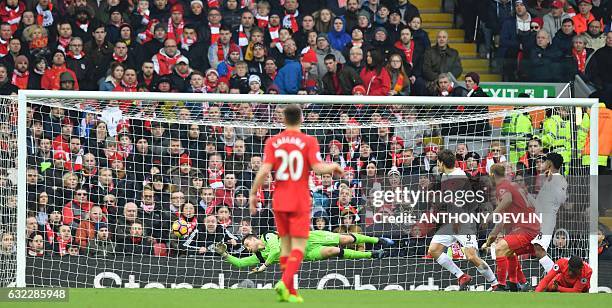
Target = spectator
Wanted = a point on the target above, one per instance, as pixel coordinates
(599, 66)
(496, 155)
(472, 165)
(554, 20)
(290, 75)
(115, 77)
(137, 243)
(340, 79)
(543, 60)
(538, 8)
(580, 55)
(441, 59)
(472, 83)
(418, 34)
(324, 20)
(77, 210)
(166, 58)
(7, 244)
(445, 87)
(584, 16)
(36, 245)
(6, 87)
(337, 35)
(514, 38)
(101, 245)
(400, 76)
(563, 39)
(323, 48)
(87, 227)
(374, 75)
(51, 78)
(595, 37)
(62, 241)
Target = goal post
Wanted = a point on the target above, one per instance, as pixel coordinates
(70, 100)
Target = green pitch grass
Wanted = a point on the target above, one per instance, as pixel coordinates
(248, 298)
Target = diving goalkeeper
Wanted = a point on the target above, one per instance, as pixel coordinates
(321, 245)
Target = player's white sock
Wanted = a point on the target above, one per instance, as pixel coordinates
(547, 263)
(488, 274)
(448, 264)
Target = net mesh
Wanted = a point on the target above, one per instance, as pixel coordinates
(107, 180)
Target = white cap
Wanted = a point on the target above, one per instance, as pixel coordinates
(183, 59)
(254, 78)
(197, 1)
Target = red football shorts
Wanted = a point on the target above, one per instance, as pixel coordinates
(294, 224)
(520, 243)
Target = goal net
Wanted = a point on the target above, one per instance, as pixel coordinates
(106, 178)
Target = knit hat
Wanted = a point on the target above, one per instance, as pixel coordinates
(66, 76)
(322, 35)
(254, 79)
(557, 4)
(474, 77)
(234, 48)
(197, 2)
(473, 155)
(359, 89)
(212, 71)
(241, 190)
(183, 59)
(538, 20)
(185, 160)
(519, 2)
(382, 29)
(309, 57)
(363, 13)
(393, 171)
(177, 8)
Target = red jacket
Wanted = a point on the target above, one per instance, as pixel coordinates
(376, 84)
(51, 78)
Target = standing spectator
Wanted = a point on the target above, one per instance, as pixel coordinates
(337, 35)
(418, 34)
(220, 50)
(62, 241)
(340, 79)
(156, 219)
(355, 59)
(87, 227)
(584, 16)
(563, 38)
(374, 75)
(595, 37)
(579, 57)
(290, 75)
(554, 19)
(79, 64)
(514, 38)
(38, 69)
(412, 52)
(441, 59)
(98, 52)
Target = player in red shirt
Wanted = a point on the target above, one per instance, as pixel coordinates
(291, 154)
(567, 275)
(511, 199)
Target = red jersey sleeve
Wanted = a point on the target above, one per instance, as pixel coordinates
(314, 152)
(269, 153)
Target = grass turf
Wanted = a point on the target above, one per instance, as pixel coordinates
(153, 298)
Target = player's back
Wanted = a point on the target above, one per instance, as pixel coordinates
(291, 153)
(552, 194)
(521, 204)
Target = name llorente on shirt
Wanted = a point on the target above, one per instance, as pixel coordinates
(297, 141)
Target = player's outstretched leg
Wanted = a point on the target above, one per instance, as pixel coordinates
(356, 238)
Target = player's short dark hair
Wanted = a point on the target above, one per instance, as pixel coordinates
(248, 236)
(556, 159)
(293, 115)
(447, 158)
(575, 263)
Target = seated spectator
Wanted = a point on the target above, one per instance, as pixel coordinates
(289, 77)
(595, 37)
(374, 75)
(77, 210)
(51, 78)
(441, 59)
(36, 245)
(381, 42)
(542, 62)
(323, 48)
(472, 165)
(445, 87)
(101, 245)
(323, 20)
(337, 35)
(226, 67)
(419, 35)
(166, 58)
(155, 218)
(495, 155)
(113, 80)
(554, 20)
(86, 229)
(400, 76)
(340, 79)
(538, 8)
(137, 243)
(62, 241)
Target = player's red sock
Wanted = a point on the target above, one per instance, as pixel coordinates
(283, 262)
(293, 266)
(512, 268)
(520, 276)
(501, 269)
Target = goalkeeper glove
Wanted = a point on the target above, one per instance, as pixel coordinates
(258, 269)
(221, 249)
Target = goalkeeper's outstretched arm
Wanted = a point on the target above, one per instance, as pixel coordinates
(252, 260)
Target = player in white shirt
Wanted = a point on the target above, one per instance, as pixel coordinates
(456, 179)
(553, 193)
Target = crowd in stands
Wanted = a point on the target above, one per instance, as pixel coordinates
(99, 186)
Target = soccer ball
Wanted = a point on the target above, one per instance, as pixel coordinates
(180, 228)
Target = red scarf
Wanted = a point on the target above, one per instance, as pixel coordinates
(214, 33)
(147, 35)
(262, 21)
(71, 55)
(186, 43)
(62, 245)
(36, 43)
(399, 84)
(407, 52)
(348, 207)
(63, 43)
(242, 37)
(50, 233)
(580, 59)
(290, 21)
(119, 59)
(12, 16)
(215, 177)
(20, 79)
(146, 19)
(213, 4)
(83, 26)
(220, 52)
(175, 33)
(274, 34)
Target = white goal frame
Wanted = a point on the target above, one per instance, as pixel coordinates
(25, 95)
